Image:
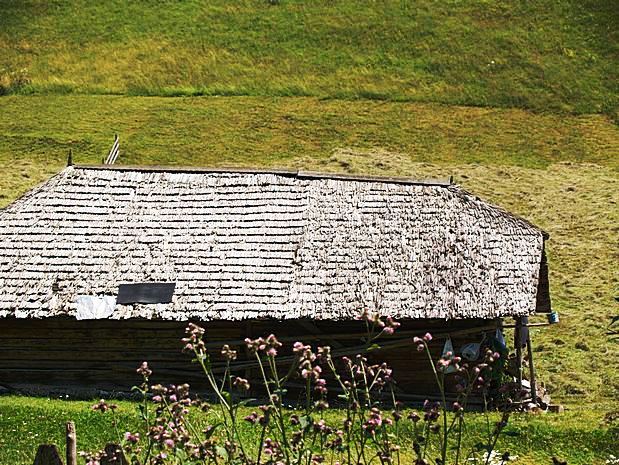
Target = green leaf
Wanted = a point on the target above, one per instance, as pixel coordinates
(221, 452)
(511, 433)
(306, 421)
(481, 446)
(244, 402)
(209, 432)
(373, 347)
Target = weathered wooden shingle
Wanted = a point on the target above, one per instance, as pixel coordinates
(265, 245)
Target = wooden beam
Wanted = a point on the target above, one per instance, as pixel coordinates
(531, 370)
(530, 325)
(308, 325)
(383, 340)
(517, 335)
(397, 343)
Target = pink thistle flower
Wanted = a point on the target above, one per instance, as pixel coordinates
(188, 347)
(272, 352)
(144, 370)
(132, 438)
(298, 347)
(228, 353)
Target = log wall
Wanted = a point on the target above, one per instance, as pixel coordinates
(85, 356)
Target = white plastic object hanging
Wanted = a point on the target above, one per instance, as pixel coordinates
(470, 351)
(448, 353)
(94, 308)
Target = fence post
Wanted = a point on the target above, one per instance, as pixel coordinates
(71, 444)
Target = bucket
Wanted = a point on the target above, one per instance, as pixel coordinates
(553, 318)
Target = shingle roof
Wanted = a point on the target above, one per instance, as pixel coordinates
(264, 245)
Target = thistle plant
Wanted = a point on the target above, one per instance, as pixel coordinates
(374, 427)
(448, 428)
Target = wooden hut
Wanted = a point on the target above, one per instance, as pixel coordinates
(102, 266)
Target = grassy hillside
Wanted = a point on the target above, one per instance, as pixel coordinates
(561, 172)
(518, 100)
(543, 55)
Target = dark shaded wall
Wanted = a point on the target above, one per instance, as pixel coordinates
(59, 354)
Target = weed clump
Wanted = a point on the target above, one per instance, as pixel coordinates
(373, 419)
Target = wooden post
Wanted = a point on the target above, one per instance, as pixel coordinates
(71, 444)
(517, 335)
(531, 370)
(248, 357)
(47, 454)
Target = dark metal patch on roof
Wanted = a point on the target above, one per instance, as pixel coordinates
(145, 293)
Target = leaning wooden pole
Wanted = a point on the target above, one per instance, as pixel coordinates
(517, 337)
(71, 444)
(531, 370)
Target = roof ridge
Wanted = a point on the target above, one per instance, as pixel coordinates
(300, 174)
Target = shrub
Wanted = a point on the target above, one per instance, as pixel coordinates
(13, 81)
(370, 430)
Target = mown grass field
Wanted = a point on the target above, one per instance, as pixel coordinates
(24, 422)
(517, 100)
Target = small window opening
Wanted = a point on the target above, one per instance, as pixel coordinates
(145, 293)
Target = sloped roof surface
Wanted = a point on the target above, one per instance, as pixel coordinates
(263, 245)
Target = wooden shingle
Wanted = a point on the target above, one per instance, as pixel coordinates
(266, 245)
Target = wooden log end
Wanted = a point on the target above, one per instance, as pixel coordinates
(555, 408)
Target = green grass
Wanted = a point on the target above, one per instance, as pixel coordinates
(578, 435)
(544, 55)
(291, 131)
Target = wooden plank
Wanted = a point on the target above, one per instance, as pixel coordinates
(517, 336)
(532, 378)
(316, 331)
